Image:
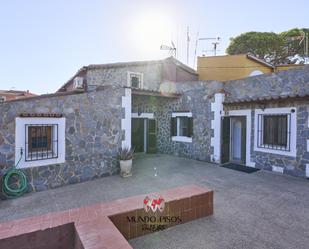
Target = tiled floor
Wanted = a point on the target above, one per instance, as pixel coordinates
(106, 225)
(259, 210)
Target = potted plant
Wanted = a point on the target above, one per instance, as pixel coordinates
(125, 158)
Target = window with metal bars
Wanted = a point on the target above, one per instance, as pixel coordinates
(274, 131)
(136, 80)
(41, 141)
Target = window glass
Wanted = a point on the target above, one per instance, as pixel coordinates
(275, 130)
(135, 80)
(183, 126)
(41, 142)
(39, 138)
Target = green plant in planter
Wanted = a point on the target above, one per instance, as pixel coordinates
(126, 153)
(125, 157)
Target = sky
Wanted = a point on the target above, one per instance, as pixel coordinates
(44, 42)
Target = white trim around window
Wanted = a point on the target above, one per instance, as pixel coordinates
(21, 135)
(142, 115)
(141, 76)
(292, 127)
(181, 138)
(181, 114)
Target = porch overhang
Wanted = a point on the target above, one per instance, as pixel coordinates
(269, 98)
(143, 92)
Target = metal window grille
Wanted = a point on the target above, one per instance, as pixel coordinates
(274, 131)
(41, 142)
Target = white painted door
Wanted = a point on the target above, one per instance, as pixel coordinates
(236, 126)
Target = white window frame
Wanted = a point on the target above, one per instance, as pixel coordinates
(20, 139)
(181, 138)
(293, 130)
(141, 85)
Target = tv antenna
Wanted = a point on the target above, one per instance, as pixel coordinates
(215, 45)
(172, 49)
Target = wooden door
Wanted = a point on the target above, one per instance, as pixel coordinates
(138, 134)
(225, 141)
(152, 136)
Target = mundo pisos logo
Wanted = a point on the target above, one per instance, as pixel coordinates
(154, 218)
(154, 204)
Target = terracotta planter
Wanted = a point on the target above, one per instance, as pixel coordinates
(126, 168)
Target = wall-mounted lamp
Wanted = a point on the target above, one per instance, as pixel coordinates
(263, 106)
(139, 111)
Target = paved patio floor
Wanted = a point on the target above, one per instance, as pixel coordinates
(259, 210)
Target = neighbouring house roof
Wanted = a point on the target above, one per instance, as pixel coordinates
(34, 97)
(248, 56)
(141, 63)
(126, 64)
(15, 94)
(266, 98)
(231, 67)
(252, 57)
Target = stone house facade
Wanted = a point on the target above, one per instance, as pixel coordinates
(92, 136)
(156, 107)
(284, 94)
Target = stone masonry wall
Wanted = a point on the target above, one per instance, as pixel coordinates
(286, 83)
(195, 99)
(93, 136)
(295, 166)
(152, 76)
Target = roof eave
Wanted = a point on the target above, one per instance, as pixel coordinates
(252, 57)
(266, 99)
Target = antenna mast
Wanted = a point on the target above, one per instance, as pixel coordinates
(188, 43)
(215, 43)
(195, 50)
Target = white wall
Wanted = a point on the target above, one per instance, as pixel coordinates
(217, 108)
(126, 121)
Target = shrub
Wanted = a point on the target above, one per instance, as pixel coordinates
(126, 154)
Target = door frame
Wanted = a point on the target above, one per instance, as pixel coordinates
(231, 136)
(247, 113)
(144, 116)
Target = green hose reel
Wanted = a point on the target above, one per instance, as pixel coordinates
(20, 184)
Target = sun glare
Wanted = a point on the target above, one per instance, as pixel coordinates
(149, 30)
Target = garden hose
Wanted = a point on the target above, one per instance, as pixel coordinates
(20, 186)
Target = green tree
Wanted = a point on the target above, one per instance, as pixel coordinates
(284, 48)
(294, 46)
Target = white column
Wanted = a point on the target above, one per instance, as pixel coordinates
(217, 108)
(126, 121)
